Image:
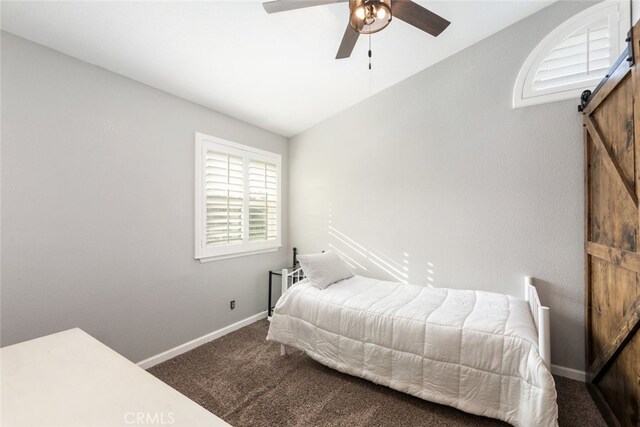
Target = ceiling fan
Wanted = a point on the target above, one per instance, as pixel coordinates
(369, 16)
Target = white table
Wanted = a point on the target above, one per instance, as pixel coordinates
(71, 379)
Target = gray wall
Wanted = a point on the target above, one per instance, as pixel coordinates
(440, 179)
(97, 209)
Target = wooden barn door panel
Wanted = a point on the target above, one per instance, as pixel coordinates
(614, 215)
(609, 305)
(612, 268)
(614, 120)
(620, 385)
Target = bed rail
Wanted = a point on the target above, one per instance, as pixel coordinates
(540, 316)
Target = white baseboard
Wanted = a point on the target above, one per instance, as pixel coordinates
(572, 374)
(183, 348)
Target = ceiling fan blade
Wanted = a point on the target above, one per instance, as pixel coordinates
(284, 5)
(418, 16)
(348, 43)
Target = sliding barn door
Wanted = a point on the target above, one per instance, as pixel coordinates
(612, 180)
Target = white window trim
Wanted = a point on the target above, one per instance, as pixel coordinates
(206, 254)
(555, 37)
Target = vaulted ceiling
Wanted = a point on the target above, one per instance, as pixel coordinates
(275, 71)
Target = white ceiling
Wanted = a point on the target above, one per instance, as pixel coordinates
(275, 71)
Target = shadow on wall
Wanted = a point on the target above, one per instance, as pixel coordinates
(371, 262)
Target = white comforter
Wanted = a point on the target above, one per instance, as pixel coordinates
(476, 351)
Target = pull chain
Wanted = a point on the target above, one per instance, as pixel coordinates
(369, 50)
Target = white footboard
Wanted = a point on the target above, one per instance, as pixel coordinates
(540, 315)
(289, 278)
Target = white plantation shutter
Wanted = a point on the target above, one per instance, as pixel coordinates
(263, 200)
(574, 57)
(224, 186)
(237, 199)
(583, 57)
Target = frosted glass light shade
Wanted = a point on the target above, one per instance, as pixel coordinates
(369, 16)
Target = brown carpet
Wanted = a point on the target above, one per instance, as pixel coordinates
(243, 380)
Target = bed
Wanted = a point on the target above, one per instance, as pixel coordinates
(484, 353)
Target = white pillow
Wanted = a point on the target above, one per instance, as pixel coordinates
(324, 269)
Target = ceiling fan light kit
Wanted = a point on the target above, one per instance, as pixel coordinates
(369, 16)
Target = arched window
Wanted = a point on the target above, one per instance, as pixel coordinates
(573, 57)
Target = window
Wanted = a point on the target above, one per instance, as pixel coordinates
(573, 57)
(237, 199)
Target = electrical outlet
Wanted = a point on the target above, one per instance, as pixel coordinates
(232, 304)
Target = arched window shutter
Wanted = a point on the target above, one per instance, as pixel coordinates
(573, 57)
